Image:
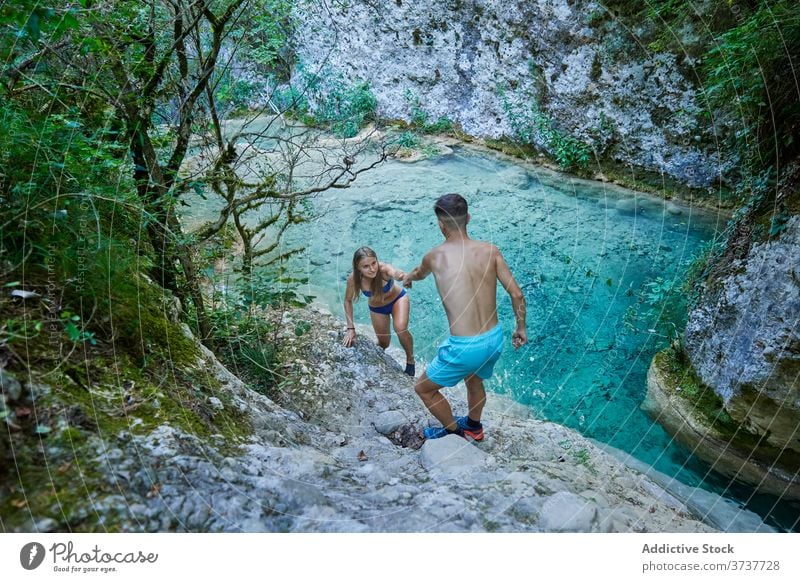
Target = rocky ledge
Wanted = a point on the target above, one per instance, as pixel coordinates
(338, 450)
(700, 422)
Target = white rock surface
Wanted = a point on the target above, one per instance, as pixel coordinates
(588, 71)
(332, 471)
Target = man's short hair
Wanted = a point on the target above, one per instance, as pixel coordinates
(452, 210)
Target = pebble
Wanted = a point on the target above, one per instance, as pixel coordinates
(10, 386)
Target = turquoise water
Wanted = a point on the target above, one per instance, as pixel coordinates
(587, 257)
(583, 264)
(596, 263)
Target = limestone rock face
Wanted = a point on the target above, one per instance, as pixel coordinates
(316, 461)
(743, 339)
(485, 63)
(753, 461)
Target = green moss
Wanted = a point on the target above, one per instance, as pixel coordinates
(146, 374)
(640, 180)
(707, 408)
(511, 148)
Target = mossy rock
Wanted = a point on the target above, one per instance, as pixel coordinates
(696, 417)
(155, 375)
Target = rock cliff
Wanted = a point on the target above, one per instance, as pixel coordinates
(487, 64)
(742, 341)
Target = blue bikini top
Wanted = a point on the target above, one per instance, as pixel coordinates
(386, 288)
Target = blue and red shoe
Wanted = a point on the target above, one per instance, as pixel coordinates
(475, 434)
(437, 432)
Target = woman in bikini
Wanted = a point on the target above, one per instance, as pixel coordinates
(387, 300)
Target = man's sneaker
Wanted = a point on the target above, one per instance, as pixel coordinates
(437, 432)
(475, 434)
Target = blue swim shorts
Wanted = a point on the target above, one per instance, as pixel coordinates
(462, 356)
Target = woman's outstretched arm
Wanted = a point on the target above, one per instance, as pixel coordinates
(349, 295)
(390, 271)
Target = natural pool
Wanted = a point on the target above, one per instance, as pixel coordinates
(584, 255)
(600, 266)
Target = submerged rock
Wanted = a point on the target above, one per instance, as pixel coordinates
(627, 206)
(515, 177)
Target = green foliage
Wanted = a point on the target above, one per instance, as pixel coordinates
(747, 66)
(302, 328)
(235, 93)
(747, 51)
(74, 330)
(244, 332)
(68, 208)
(778, 223)
(532, 127)
(341, 106)
(289, 99)
(699, 269)
(408, 139)
(79, 211)
(420, 117)
(20, 330)
(265, 39)
(441, 125)
(595, 16)
(31, 20)
(274, 288)
(92, 134)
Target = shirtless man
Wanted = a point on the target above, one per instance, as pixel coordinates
(466, 272)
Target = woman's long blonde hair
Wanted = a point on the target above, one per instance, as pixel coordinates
(376, 286)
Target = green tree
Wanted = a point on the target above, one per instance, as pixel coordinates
(146, 76)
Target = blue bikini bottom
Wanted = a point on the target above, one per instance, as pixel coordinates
(387, 309)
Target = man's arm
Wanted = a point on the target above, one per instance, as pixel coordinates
(418, 273)
(520, 335)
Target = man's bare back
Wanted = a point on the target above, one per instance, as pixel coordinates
(466, 272)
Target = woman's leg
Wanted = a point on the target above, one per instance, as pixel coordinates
(400, 311)
(380, 323)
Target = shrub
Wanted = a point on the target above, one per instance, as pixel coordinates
(532, 127)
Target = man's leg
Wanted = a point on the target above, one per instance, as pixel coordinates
(476, 397)
(380, 323)
(432, 398)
